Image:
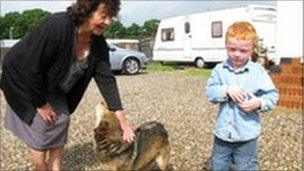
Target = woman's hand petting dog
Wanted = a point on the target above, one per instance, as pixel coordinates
(128, 134)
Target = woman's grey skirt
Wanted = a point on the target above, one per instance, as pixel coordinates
(39, 135)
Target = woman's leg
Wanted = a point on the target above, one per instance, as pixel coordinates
(55, 157)
(38, 157)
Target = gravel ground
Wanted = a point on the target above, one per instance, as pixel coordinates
(178, 102)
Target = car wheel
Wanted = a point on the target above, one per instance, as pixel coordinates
(199, 63)
(131, 66)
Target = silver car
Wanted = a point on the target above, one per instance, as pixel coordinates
(128, 61)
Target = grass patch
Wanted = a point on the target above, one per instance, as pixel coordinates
(158, 67)
(195, 72)
(190, 71)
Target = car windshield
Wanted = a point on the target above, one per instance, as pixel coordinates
(114, 46)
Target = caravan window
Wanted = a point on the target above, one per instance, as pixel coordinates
(217, 29)
(167, 34)
(264, 14)
(187, 27)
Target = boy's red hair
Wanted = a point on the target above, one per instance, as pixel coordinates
(242, 30)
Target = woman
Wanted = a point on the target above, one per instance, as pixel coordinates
(45, 75)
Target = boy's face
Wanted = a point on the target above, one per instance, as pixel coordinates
(239, 52)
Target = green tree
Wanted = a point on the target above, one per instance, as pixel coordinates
(150, 28)
(8, 24)
(116, 30)
(30, 19)
(1, 27)
(18, 25)
(133, 32)
(21, 24)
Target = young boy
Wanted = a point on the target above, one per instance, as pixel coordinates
(243, 89)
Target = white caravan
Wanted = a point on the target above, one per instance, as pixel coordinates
(200, 38)
(289, 35)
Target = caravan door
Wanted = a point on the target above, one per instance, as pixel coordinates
(187, 40)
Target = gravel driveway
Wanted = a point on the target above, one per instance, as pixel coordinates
(178, 102)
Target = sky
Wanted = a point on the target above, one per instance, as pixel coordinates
(132, 11)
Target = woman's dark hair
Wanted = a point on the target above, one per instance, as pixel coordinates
(82, 9)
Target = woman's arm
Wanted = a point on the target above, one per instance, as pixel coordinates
(106, 83)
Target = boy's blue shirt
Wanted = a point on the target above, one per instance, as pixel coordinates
(233, 124)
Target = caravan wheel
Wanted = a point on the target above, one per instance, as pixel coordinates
(199, 63)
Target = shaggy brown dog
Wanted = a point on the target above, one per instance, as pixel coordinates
(149, 150)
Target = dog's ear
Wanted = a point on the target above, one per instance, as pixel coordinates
(100, 110)
(102, 103)
(102, 106)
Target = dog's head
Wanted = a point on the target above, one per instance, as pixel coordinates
(108, 139)
(107, 124)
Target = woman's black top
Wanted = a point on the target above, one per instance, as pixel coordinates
(40, 62)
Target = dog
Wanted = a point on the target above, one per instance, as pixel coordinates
(150, 149)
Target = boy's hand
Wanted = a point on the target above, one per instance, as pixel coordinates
(236, 94)
(250, 105)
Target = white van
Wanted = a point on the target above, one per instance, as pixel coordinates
(200, 38)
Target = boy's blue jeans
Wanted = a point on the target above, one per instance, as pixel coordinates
(235, 156)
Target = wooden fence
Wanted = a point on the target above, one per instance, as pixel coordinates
(290, 84)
